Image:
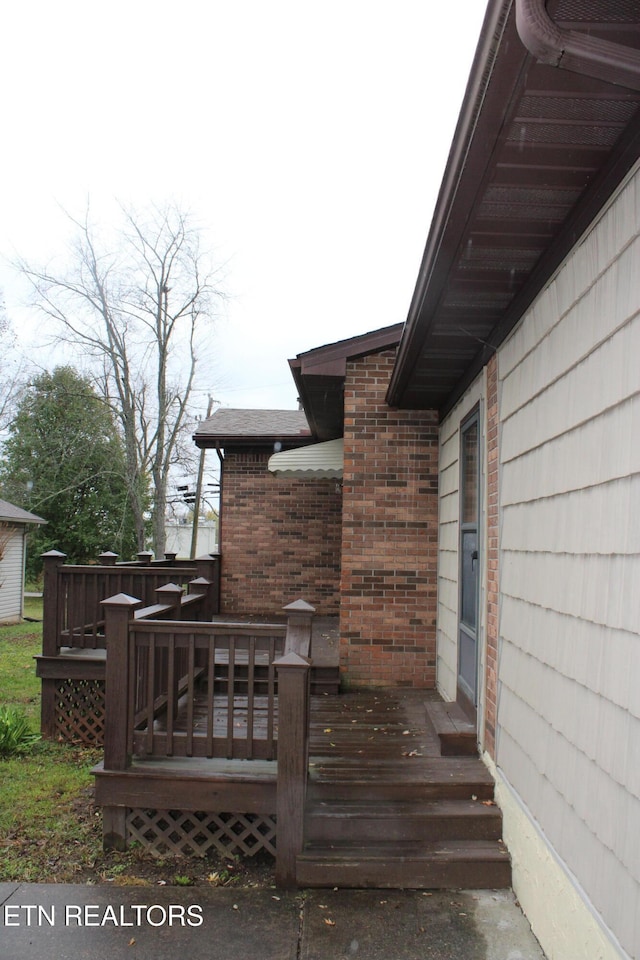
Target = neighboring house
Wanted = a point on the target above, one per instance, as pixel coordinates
(281, 536)
(487, 537)
(14, 527)
(180, 535)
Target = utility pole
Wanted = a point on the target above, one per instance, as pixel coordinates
(196, 505)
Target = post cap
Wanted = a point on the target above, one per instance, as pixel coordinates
(121, 600)
(299, 606)
(293, 660)
(108, 557)
(169, 588)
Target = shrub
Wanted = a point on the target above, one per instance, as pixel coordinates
(16, 735)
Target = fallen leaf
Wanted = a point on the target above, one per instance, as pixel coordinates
(327, 729)
(488, 803)
(132, 941)
(329, 922)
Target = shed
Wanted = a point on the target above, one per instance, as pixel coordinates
(14, 526)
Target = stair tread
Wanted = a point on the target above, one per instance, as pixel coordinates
(438, 850)
(384, 809)
(450, 718)
(405, 770)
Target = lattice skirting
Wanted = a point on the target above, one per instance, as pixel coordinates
(178, 832)
(79, 711)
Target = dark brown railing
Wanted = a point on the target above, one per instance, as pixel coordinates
(178, 688)
(203, 692)
(73, 616)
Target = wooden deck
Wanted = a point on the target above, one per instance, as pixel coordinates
(384, 808)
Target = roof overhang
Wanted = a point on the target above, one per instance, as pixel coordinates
(243, 428)
(538, 151)
(11, 514)
(320, 374)
(318, 461)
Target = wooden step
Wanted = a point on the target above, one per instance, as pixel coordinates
(350, 822)
(454, 778)
(325, 681)
(471, 864)
(456, 733)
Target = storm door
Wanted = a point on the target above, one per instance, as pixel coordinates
(469, 559)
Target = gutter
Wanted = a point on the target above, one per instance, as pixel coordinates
(575, 51)
(436, 260)
(546, 41)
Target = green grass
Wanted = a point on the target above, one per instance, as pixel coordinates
(50, 830)
(19, 644)
(47, 823)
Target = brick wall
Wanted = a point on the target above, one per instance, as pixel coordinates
(493, 583)
(280, 538)
(389, 538)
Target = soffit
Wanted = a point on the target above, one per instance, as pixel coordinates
(537, 152)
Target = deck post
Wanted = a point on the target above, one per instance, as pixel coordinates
(293, 745)
(118, 618)
(171, 595)
(208, 568)
(299, 617)
(51, 602)
(204, 588)
(51, 611)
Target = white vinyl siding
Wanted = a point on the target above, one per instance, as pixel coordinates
(569, 660)
(11, 574)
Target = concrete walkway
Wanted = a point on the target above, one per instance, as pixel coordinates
(69, 922)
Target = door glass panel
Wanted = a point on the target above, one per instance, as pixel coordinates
(470, 474)
(468, 670)
(469, 580)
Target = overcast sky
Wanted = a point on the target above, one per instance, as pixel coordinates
(307, 138)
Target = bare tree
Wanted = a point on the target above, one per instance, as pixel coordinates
(140, 309)
(11, 370)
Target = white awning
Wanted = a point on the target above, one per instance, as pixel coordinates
(316, 461)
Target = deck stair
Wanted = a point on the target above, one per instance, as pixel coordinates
(325, 671)
(455, 732)
(385, 810)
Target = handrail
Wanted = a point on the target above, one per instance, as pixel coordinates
(192, 689)
(184, 688)
(73, 593)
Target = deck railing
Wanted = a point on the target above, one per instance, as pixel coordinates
(207, 690)
(73, 616)
(203, 692)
